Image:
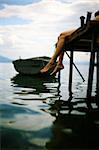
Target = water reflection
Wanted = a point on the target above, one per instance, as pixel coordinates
(72, 131)
(35, 82)
(75, 126)
(52, 123)
(36, 87)
(23, 121)
(14, 139)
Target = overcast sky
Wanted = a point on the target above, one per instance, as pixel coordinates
(30, 28)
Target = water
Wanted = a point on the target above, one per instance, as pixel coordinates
(36, 113)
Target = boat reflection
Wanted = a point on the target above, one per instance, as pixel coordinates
(75, 126)
(37, 84)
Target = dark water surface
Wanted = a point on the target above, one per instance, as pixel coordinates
(37, 113)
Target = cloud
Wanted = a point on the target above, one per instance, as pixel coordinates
(13, 20)
(50, 9)
(46, 19)
(18, 2)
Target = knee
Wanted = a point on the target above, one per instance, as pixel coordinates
(62, 36)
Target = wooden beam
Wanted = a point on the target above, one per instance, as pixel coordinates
(71, 72)
(90, 77)
(76, 67)
(91, 67)
(97, 76)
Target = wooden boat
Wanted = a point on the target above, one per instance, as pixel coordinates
(31, 66)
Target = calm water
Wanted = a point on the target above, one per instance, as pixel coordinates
(36, 113)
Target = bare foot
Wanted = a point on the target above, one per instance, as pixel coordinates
(57, 69)
(48, 67)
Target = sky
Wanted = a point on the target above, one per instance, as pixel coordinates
(29, 28)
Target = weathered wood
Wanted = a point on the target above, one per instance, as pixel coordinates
(88, 17)
(82, 18)
(76, 68)
(80, 39)
(90, 77)
(97, 85)
(71, 71)
(91, 67)
(85, 39)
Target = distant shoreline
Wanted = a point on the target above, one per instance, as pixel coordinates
(4, 59)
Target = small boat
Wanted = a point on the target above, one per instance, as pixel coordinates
(31, 66)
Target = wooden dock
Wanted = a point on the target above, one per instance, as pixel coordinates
(85, 39)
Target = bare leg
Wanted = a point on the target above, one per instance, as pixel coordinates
(60, 44)
(60, 61)
(57, 52)
(59, 65)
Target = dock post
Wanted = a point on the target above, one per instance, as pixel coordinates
(71, 72)
(90, 77)
(97, 77)
(91, 67)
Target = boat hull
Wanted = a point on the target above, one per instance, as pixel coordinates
(30, 66)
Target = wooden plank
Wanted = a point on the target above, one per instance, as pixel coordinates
(81, 38)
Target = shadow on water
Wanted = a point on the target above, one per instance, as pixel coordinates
(14, 139)
(23, 126)
(75, 131)
(74, 125)
(36, 82)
